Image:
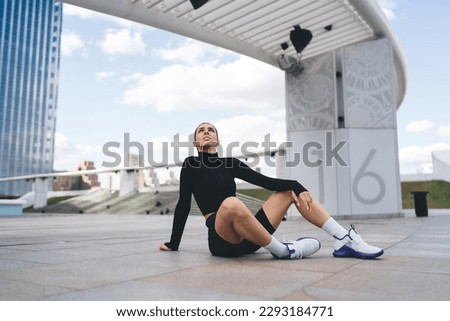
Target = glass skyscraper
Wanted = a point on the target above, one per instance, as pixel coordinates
(30, 33)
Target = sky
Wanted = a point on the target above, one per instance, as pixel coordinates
(121, 81)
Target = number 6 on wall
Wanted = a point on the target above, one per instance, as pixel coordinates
(361, 174)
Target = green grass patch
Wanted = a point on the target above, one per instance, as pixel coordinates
(57, 199)
(50, 201)
(259, 193)
(438, 193)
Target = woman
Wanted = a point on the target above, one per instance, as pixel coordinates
(232, 229)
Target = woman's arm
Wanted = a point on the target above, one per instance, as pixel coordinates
(242, 171)
(182, 208)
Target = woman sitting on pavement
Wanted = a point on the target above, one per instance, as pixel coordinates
(232, 229)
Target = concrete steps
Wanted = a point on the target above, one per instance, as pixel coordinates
(252, 203)
(78, 204)
(132, 203)
(161, 203)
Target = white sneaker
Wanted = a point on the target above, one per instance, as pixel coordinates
(300, 248)
(352, 245)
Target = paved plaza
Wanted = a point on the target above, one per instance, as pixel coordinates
(55, 257)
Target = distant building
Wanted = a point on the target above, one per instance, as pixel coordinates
(30, 33)
(150, 177)
(438, 170)
(441, 165)
(173, 179)
(112, 180)
(62, 183)
(87, 181)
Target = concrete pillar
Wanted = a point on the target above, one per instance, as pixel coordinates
(40, 188)
(280, 159)
(128, 182)
(341, 120)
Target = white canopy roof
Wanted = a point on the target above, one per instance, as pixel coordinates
(257, 28)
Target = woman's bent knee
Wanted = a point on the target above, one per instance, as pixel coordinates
(285, 197)
(286, 194)
(234, 208)
(231, 204)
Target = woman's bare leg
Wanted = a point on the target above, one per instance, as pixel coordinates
(278, 203)
(316, 214)
(235, 222)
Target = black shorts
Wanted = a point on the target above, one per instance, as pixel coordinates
(219, 247)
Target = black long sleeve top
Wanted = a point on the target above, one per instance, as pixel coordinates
(211, 180)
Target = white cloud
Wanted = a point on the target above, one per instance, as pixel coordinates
(123, 42)
(420, 126)
(244, 84)
(191, 52)
(70, 43)
(101, 76)
(67, 155)
(61, 141)
(444, 131)
(249, 132)
(250, 128)
(388, 7)
(202, 79)
(131, 77)
(419, 156)
(85, 149)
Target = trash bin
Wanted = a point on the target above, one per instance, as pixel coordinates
(420, 203)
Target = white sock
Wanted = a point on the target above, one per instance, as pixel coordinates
(334, 228)
(277, 248)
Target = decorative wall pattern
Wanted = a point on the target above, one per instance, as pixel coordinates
(368, 85)
(310, 98)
